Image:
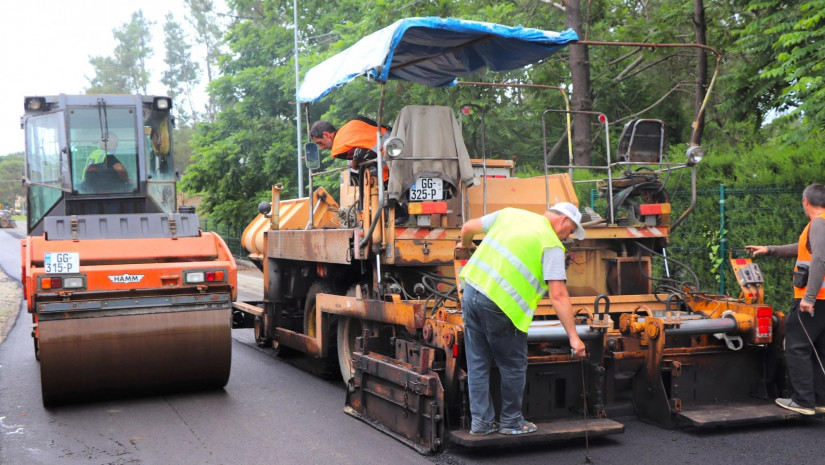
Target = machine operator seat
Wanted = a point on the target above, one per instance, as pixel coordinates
(101, 178)
(433, 148)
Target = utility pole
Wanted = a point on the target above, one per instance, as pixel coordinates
(297, 104)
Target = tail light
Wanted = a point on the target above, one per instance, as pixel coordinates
(48, 283)
(204, 276)
(764, 322)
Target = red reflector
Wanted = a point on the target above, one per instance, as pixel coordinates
(57, 282)
(654, 208)
(210, 275)
(455, 350)
(427, 208)
(741, 261)
(650, 209)
(764, 312)
(764, 327)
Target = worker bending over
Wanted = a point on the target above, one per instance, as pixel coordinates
(520, 257)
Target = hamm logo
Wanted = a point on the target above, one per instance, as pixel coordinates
(126, 278)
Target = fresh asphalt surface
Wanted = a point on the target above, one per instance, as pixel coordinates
(274, 412)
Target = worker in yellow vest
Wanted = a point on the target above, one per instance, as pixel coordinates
(103, 159)
(520, 257)
(805, 322)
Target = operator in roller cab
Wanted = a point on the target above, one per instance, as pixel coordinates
(103, 171)
(98, 154)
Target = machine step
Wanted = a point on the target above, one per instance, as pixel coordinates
(709, 416)
(548, 432)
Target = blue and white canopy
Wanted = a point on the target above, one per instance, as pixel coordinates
(434, 52)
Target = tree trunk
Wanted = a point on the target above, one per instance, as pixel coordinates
(700, 30)
(582, 98)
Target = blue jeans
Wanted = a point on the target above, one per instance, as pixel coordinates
(489, 335)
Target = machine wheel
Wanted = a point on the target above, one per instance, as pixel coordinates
(260, 333)
(348, 330)
(4, 222)
(325, 367)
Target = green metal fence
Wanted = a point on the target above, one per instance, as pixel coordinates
(726, 220)
(232, 238)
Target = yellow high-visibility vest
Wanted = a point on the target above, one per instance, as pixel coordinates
(507, 265)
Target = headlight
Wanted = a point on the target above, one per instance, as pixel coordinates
(694, 154)
(162, 103)
(34, 103)
(393, 147)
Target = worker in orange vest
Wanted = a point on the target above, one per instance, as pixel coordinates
(805, 322)
(354, 141)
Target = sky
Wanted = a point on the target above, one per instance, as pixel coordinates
(45, 47)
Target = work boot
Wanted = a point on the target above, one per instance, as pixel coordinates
(527, 427)
(791, 405)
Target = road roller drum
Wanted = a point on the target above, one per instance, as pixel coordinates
(134, 353)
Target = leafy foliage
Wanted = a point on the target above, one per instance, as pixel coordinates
(762, 193)
(126, 71)
(11, 171)
(252, 140)
(780, 69)
(182, 73)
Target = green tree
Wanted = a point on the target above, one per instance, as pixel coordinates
(181, 76)
(125, 71)
(256, 130)
(800, 60)
(208, 30)
(750, 94)
(11, 172)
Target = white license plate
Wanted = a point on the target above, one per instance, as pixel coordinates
(427, 189)
(62, 262)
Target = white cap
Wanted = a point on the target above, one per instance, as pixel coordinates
(569, 210)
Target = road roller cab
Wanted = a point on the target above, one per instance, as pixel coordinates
(126, 293)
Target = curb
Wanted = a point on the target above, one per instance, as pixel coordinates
(11, 299)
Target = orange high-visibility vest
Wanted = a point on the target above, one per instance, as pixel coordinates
(803, 257)
(354, 134)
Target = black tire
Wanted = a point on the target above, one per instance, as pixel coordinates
(325, 367)
(260, 334)
(4, 222)
(348, 330)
